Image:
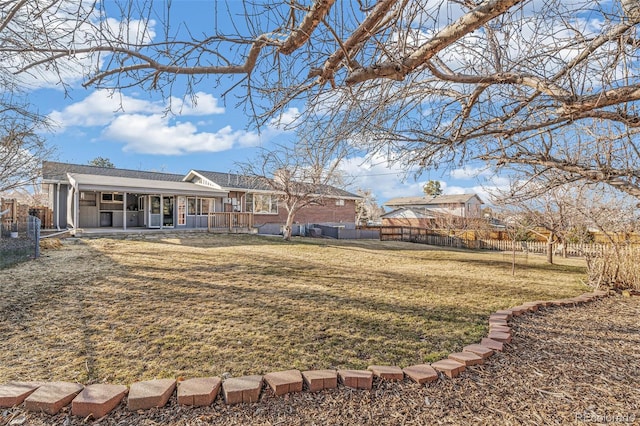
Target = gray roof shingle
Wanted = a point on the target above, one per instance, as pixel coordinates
(52, 170)
(55, 171)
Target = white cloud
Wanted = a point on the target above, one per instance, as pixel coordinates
(470, 172)
(100, 108)
(285, 119)
(200, 104)
(145, 126)
(154, 134)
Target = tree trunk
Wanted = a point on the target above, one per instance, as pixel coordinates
(550, 248)
(288, 226)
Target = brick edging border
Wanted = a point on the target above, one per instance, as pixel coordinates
(98, 400)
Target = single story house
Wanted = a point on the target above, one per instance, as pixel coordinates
(429, 212)
(87, 197)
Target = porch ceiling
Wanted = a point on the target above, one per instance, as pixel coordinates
(141, 186)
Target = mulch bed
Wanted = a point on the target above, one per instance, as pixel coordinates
(565, 365)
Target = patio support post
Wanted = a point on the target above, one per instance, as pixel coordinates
(56, 203)
(76, 205)
(124, 211)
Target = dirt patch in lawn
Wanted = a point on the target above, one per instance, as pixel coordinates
(118, 311)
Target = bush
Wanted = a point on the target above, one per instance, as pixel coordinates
(615, 266)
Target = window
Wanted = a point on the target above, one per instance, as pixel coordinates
(262, 203)
(207, 206)
(112, 197)
(182, 209)
(88, 199)
(191, 204)
(340, 202)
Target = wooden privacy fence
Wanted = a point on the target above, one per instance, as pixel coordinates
(425, 236)
(230, 220)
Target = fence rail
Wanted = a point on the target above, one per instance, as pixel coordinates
(425, 236)
(230, 220)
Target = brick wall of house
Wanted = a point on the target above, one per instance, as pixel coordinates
(329, 212)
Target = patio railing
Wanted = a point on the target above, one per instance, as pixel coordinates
(230, 220)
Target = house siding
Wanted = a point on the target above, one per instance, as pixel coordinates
(328, 213)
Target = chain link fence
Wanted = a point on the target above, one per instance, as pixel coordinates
(19, 241)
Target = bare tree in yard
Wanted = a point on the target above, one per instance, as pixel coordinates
(300, 175)
(430, 83)
(367, 208)
(548, 208)
(21, 152)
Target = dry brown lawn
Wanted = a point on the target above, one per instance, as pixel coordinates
(124, 310)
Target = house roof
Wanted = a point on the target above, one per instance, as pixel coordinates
(98, 183)
(432, 201)
(54, 171)
(413, 213)
(59, 172)
(233, 181)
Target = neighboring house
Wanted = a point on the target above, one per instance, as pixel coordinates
(443, 211)
(86, 197)
(403, 216)
(460, 205)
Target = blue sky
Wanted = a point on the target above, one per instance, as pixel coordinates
(133, 130)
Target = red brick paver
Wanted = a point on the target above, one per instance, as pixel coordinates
(51, 397)
(318, 380)
(421, 373)
(466, 358)
(479, 350)
(507, 312)
(500, 328)
(500, 337)
(519, 310)
(150, 394)
(97, 400)
(201, 391)
(498, 322)
(492, 344)
(242, 389)
(14, 393)
(359, 379)
(284, 381)
(387, 372)
(499, 317)
(449, 367)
